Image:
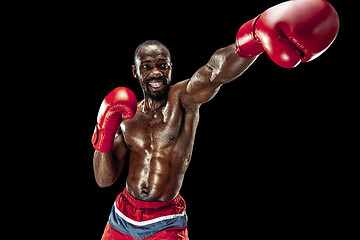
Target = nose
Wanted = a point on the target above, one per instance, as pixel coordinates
(156, 73)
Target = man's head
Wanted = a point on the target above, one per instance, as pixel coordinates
(153, 68)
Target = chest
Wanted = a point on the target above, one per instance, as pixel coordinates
(152, 129)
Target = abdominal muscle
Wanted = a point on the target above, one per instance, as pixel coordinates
(153, 180)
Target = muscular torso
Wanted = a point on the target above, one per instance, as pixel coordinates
(160, 143)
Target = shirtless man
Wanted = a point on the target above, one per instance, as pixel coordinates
(156, 135)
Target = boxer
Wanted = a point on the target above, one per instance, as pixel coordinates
(156, 135)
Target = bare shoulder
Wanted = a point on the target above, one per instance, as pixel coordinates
(177, 90)
(179, 87)
(177, 93)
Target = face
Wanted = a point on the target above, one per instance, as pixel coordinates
(153, 69)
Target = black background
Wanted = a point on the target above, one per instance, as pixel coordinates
(270, 153)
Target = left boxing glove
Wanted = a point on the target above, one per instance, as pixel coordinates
(118, 104)
(291, 32)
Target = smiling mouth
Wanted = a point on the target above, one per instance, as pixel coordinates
(156, 84)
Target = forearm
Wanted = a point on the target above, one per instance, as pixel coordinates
(105, 169)
(226, 65)
(111, 151)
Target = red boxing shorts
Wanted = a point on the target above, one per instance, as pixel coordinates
(135, 219)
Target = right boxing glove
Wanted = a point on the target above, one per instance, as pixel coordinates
(118, 104)
(291, 32)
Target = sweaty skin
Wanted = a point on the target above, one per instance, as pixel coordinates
(158, 141)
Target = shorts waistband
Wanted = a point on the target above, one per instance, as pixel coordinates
(176, 201)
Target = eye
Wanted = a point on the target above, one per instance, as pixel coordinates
(146, 66)
(164, 66)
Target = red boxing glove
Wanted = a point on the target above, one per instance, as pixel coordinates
(118, 104)
(291, 32)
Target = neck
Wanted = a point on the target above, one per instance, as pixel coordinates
(151, 104)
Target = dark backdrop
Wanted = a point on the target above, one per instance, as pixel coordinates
(267, 149)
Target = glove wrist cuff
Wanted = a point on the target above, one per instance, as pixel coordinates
(247, 44)
(102, 141)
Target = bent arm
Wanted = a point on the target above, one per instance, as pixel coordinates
(109, 165)
(224, 66)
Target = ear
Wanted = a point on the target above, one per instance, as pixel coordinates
(171, 68)
(134, 72)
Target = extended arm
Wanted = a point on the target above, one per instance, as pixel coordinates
(290, 33)
(224, 66)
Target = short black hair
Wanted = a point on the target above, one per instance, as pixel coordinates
(149, 42)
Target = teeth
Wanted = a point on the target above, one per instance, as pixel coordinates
(156, 84)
